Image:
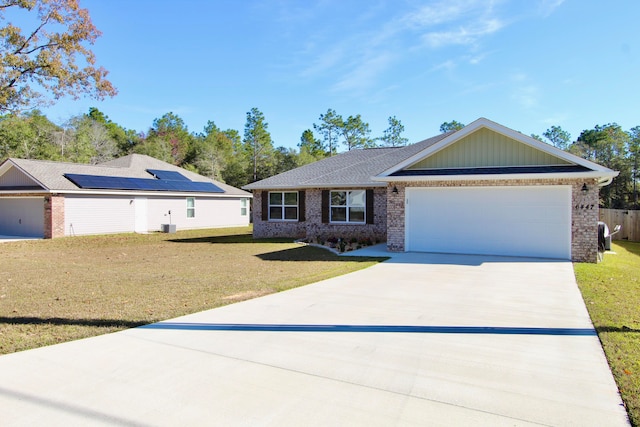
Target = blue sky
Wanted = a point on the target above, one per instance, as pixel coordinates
(525, 64)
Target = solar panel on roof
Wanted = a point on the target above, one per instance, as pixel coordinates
(145, 184)
(168, 175)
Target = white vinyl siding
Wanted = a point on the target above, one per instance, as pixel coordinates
(85, 215)
(16, 178)
(113, 214)
(211, 213)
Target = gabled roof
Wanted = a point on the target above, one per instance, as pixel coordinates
(353, 168)
(376, 167)
(569, 164)
(49, 176)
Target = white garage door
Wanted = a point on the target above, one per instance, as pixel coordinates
(22, 216)
(515, 221)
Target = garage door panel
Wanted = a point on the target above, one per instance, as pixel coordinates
(517, 221)
(22, 216)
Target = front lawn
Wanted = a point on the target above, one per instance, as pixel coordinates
(611, 291)
(59, 290)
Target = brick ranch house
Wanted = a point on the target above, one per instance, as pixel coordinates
(485, 189)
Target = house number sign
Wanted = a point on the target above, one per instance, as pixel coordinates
(584, 207)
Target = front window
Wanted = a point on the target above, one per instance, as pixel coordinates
(348, 206)
(191, 207)
(283, 206)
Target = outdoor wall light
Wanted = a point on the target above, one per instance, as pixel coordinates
(584, 189)
(395, 190)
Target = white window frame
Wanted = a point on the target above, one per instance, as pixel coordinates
(284, 206)
(244, 207)
(191, 210)
(348, 206)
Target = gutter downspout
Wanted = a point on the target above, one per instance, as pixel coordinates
(603, 182)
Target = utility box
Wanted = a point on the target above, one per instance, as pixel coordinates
(168, 228)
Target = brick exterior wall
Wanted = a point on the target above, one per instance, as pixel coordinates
(314, 228)
(265, 229)
(395, 221)
(53, 216)
(584, 212)
(391, 227)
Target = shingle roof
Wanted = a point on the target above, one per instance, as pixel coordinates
(376, 167)
(50, 174)
(352, 168)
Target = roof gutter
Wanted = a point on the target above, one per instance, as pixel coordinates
(309, 187)
(603, 182)
(126, 194)
(567, 175)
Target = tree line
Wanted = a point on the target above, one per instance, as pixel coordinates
(611, 146)
(222, 154)
(238, 159)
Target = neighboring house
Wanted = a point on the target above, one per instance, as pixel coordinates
(485, 189)
(135, 193)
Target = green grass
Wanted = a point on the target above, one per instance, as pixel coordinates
(611, 291)
(59, 290)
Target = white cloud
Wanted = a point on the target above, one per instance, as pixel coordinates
(357, 59)
(365, 73)
(547, 7)
(465, 35)
(326, 60)
(453, 22)
(448, 65)
(477, 58)
(439, 13)
(526, 96)
(524, 92)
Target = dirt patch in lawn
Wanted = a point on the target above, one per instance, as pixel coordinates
(58, 290)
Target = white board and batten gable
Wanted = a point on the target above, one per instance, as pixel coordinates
(485, 150)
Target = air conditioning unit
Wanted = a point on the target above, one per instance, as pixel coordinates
(168, 228)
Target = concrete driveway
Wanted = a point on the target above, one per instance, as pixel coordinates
(422, 339)
(6, 239)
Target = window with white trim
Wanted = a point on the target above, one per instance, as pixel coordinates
(191, 207)
(283, 206)
(348, 206)
(243, 207)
